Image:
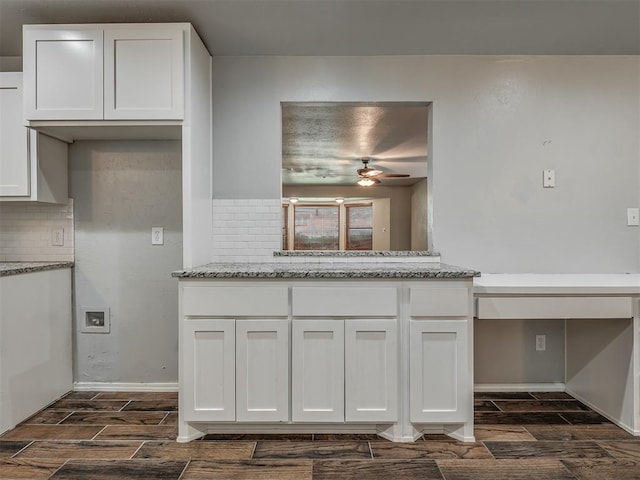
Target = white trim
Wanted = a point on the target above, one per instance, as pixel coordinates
(607, 416)
(520, 387)
(125, 387)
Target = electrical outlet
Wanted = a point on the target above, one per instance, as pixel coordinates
(548, 178)
(541, 343)
(57, 237)
(157, 236)
(633, 217)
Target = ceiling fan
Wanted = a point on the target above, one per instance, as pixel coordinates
(370, 176)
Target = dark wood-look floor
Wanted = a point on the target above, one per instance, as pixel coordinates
(118, 435)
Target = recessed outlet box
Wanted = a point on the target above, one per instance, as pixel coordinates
(94, 320)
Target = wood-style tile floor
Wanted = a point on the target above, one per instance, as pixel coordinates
(104, 436)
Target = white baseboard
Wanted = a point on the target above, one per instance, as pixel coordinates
(519, 387)
(125, 387)
(616, 421)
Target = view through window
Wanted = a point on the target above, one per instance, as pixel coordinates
(316, 227)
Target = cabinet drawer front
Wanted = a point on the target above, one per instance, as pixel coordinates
(345, 301)
(234, 301)
(439, 302)
(555, 307)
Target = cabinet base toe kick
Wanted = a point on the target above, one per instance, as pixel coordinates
(396, 432)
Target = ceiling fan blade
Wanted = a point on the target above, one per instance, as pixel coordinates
(393, 175)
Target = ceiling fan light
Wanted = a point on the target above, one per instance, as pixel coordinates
(368, 182)
(339, 200)
(293, 199)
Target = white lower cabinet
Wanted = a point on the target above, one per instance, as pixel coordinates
(438, 362)
(262, 370)
(344, 370)
(317, 377)
(303, 357)
(208, 353)
(371, 370)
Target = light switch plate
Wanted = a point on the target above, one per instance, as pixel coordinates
(157, 236)
(633, 217)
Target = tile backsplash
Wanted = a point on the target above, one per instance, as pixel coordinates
(246, 230)
(26, 231)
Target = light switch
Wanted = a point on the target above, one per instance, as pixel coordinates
(633, 217)
(157, 236)
(548, 178)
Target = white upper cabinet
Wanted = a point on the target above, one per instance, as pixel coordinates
(14, 164)
(104, 72)
(33, 166)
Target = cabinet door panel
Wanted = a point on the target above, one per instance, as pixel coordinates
(439, 390)
(144, 73)
(14, 161)
(262, 371)
(371, 371)
(317, 383)
(209, 370)
(63, 73)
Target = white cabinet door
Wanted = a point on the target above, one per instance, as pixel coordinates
(317, 371)
(14, 159)
(208, 383)
(439, 389)
(144, 73)
(63, 73)
(262, 370)
(371, 370)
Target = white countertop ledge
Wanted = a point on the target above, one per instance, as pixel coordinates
(604, 284)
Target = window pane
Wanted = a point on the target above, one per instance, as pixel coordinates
(360, 239)
(316, 228)
(360, 227)
(285, 227)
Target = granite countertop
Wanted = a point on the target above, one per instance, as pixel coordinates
(355, 253)
(16, 268)
(327, 270)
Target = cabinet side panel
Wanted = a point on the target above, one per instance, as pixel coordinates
(14, 164)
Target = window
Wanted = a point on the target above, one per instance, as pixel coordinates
(285, 227)
(359, 227)
(316, 227)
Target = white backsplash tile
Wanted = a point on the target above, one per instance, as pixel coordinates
(26, 232)
(246, 230)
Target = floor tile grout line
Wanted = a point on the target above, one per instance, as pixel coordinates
(125, 405)
(184, 469)
(60, 422)
(137, 449)
(164, 418)
(58, 469)
(101, 430)
(370, 449)
(444, 477)
(23, 448)
(253, 450)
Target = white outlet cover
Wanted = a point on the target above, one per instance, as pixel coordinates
(633, 217)
(157, 236)
(57, 237)
(548, 178)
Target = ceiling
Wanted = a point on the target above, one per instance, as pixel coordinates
(323, 143)
(360, 27)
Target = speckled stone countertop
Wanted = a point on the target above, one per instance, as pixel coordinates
(16, 268)
(355, 253)
(326, 270)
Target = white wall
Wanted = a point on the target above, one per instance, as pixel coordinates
(120, 190)
(497, 123)
(419, 216)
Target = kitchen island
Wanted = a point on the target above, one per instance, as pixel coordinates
(330, 347)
